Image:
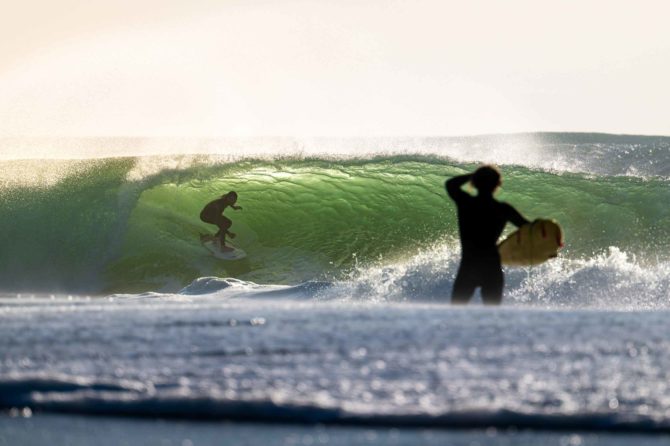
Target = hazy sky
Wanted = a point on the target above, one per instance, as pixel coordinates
(333, 68)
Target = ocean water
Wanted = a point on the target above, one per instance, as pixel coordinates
(340, 313)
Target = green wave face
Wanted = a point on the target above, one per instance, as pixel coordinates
(302, 220)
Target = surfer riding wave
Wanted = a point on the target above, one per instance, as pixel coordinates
(213, 213)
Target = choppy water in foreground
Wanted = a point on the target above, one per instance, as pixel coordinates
(256, 356)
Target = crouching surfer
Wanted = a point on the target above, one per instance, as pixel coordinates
(213, 213)
(481, 220)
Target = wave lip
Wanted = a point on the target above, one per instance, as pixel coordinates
(66, 395)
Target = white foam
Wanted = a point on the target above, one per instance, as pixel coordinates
(610, 279)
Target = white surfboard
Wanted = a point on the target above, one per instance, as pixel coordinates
(229, 252)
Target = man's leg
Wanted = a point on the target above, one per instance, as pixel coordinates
(464, 286)
(492, 287)
(212, 221)
(223, 224)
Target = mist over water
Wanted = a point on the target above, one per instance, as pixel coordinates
(572, 152)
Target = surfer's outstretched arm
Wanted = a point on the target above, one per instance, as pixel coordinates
(453, 186)
(515, 216)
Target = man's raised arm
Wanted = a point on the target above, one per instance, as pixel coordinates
(453, 186)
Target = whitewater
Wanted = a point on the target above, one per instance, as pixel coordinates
(340, 313)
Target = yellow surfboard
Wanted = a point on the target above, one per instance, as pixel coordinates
(532, 244)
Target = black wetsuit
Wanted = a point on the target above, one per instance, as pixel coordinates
(481, 220)
(213, 213)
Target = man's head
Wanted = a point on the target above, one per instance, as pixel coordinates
(486, 179)
(230, 197)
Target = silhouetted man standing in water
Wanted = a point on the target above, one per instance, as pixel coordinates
(481, 220)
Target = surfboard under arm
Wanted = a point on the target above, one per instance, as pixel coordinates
(532, 244)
